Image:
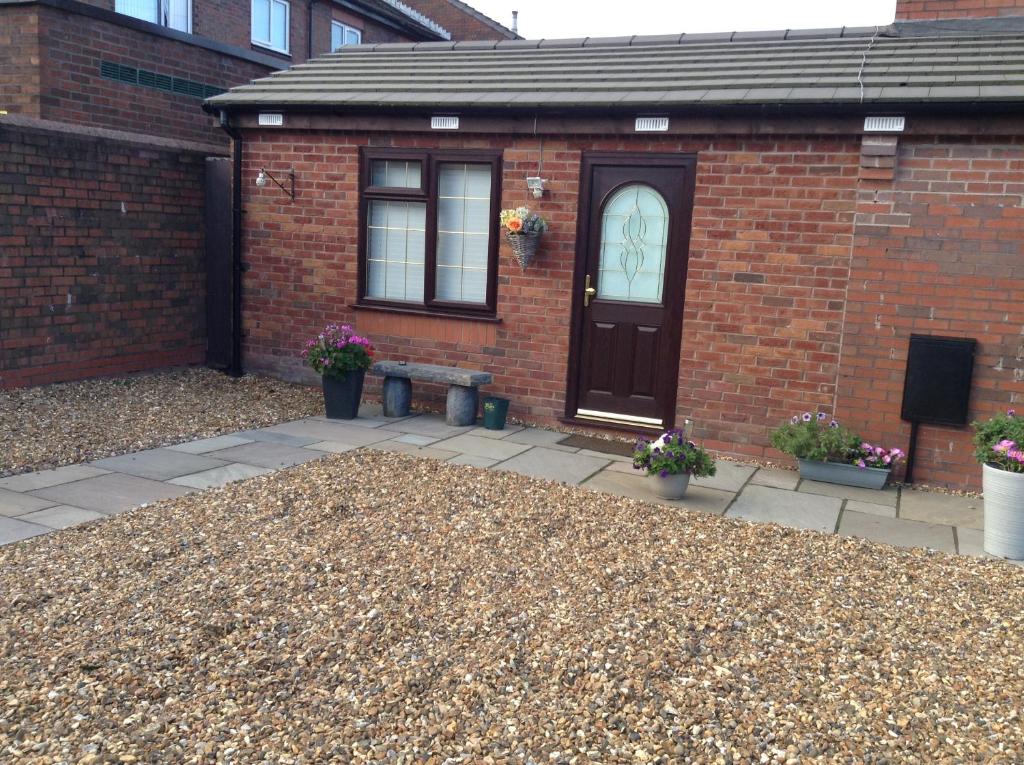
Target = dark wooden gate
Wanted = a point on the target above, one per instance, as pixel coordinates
(218, 263)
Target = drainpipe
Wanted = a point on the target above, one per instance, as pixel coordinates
(235, 367)
(309, 32)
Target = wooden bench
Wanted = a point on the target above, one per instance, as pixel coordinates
(463, 385)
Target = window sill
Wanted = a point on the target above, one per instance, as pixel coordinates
(269, 49)
(429, 312)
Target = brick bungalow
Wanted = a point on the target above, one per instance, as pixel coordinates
(765, 219)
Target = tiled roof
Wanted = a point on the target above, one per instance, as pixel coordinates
(898, 64)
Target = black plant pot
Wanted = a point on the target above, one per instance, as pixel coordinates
(341, 396)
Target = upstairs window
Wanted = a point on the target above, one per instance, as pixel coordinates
(430, 235)
(270, 21)
(174, 14)
(342, 34)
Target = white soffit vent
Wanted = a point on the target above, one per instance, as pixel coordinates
(271, 120)
(444, 123)
(651, 124)
(884, 124)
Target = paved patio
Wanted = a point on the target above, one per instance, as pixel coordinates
(36, 503)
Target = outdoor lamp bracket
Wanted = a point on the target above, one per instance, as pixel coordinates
(261, 181)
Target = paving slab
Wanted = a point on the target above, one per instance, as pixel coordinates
(44, 478)
(949, 509)
(870, 508)
(555, 465)
(729, 476)
(15, 503)
(159, 464)
(208, 479)
(776, 478)
(469, 459)
(428, 425)
(887, 496)
(971, 542)
(112, 493)
(416, 451)
(204, 445)
(61, 516)
(606, 455)
(334, 447)
(897, 531)
(787, 508)
(698, 498)
(269, 436)
(14, 530)
(492, 448)
(541, 437)
(416, 439)
(267, 454)
(618, 466)
(331, 430)
(508, 430)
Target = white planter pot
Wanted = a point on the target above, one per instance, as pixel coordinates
(1004, 512)
(671, 486)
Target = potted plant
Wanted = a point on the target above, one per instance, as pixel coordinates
(999, 447)
(670, 460)
(826, 451)
(341, 357)
(522, 230)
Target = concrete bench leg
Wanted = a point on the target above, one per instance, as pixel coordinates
(462, 403)
(397, 396)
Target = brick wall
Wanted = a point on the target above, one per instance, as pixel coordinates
(19, 60)
(72, 48)
(938, 251)
(919, 10)
(101, 256)
(459, 19)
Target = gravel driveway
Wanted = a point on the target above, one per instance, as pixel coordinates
(53, 425)
(372, 607)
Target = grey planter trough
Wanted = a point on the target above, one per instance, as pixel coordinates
(846, 475)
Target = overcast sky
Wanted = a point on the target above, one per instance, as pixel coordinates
(603, 18)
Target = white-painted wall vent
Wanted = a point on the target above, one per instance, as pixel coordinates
(444, 123)
(651, 124)
(884, 124)
(271, 120)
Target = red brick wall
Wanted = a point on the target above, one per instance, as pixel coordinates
(938, 251)
(73, 91)
(19, 60)
(917, 10)
(87, 289)
(770, 251)
(458, 19)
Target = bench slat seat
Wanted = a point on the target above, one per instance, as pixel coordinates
(432, 373)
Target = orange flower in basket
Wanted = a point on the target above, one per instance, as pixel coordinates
(514, 224)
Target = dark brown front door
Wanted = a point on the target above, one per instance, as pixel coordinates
(633, 240)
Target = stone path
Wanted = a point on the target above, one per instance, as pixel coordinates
(36, 503)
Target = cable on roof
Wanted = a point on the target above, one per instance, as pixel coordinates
(864, 63)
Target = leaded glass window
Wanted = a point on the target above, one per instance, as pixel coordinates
(634, 242)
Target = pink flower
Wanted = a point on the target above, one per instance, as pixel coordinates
(1004, 446)
(861, 464)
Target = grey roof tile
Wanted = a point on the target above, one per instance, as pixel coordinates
(799, 66)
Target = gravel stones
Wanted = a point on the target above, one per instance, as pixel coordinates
(375, 607)
(54, 425)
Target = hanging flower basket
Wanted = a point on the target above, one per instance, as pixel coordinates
(524, 246)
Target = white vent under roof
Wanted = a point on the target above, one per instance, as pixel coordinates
(420, 18)
(884, 124)
(444, 123)
(651, 124)
(271, 120)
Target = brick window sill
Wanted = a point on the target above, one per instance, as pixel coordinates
(432, 313)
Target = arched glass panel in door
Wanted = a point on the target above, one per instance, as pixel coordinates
(634, 239)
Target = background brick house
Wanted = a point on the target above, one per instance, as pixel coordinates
(811, 247)
(103, 168)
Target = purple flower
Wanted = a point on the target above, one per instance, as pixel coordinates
(795, 420)
(663, 474)
(861, 464)
(833, 424)
(1004, 446)
(807, 417)
(821, 416)
(1011, 413)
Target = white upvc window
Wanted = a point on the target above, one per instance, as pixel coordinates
(270, 22)
(343, 34)
(174, 14)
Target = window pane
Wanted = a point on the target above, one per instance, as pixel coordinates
(337, 36)
(395, 250)
(395, 173)
(140, 9)
(463, 232)
(261, 21)
(177, 15)
(634, 236)
(353, 36)
(279, 24)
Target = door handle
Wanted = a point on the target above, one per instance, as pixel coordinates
(588, 292)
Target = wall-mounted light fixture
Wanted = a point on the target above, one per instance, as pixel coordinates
(536, 185)
(261, 181)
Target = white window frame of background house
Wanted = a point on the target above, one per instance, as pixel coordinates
(340, 34)
(173, 14)
(268, 42)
